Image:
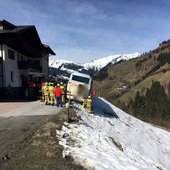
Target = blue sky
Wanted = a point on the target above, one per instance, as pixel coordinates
(82, 30)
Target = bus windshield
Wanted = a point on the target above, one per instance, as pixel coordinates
(80, 79)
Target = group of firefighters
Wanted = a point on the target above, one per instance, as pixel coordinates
(56, 95)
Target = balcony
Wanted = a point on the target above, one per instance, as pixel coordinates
(25, 65)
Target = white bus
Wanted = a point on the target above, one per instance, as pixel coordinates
(79, 86)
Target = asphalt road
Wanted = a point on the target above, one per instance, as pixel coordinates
(18, 121)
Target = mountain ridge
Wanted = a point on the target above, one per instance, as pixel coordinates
(121, 83)
(67, 67)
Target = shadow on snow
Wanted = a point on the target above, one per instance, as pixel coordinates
(103, 109)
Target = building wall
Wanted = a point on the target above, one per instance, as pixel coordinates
(2, 53)
(10, 66)
(45, 63)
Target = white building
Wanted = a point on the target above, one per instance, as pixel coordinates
(21, 54)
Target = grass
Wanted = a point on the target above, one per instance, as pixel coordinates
(163, 78)
(130, 72)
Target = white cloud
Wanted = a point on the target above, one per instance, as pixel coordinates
(86, 28)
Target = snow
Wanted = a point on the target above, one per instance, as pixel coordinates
(102, 62)
(95, 64)
(112, 139)
(59, 63)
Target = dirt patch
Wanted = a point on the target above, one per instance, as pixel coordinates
(42, 150)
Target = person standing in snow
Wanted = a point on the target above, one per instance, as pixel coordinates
(87, 104)
(58, 94)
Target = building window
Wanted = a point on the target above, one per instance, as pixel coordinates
(12, 76)
(11, 54)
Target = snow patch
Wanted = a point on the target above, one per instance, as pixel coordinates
(59, 63)
(112, 139)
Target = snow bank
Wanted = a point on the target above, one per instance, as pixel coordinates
(112, 139)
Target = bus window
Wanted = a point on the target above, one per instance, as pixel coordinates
(80, 79)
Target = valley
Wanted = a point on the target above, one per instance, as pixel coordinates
(118, 78)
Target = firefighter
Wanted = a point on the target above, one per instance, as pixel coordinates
(89, 104)
(42, 91)
(84, 103)
(62, 88)
(52, 100)
(49, 99)
(93, 93)
(46, 93)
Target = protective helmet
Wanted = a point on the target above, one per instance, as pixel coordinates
(89, 97)
(61, 83)
(58, 85)
(46, 84)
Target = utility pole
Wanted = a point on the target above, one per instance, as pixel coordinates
(68, 110)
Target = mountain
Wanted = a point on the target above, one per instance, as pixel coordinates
(100, 63)
(112, 139)
(135, 74)
(120, 83)
(65, 67)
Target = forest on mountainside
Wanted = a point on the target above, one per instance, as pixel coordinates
(153, 106)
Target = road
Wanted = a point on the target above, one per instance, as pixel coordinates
(18, 121)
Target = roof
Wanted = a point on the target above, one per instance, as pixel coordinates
(49, 50)
(24, 39)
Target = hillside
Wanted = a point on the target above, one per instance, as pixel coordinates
(135, 74)
(162, 75)
(112, 139)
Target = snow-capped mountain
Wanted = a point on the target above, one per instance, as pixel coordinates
(112, 139)
(67, 67)
(63, 67)
(98, 64)
(59, 63)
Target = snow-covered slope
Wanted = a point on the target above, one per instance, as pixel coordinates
(65, 66)
(110, 139)
(102, 62)
(59, 63)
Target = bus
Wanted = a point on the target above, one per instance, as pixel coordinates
(79, 86)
